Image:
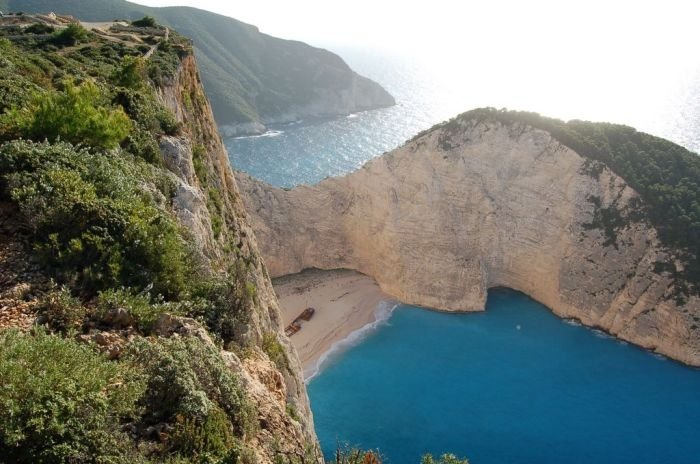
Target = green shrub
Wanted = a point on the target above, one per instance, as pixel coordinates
(146, 21)
(62, 312)
(189, 385)
(198, 153)
(131, 73)
(71, 35)
(292, 412)
(62, 402)
(274, 350)
(224, 304)
(144, 145)
(444, 459)
(142, 107)
(139, 307)
(211, 436)
(79, 114)
(39, 28)
(168, 124)
(95, 223)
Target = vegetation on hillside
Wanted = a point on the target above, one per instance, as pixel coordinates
(81, 170)
(81, 165)
(666, 176)
(61, 401)
(247, 74)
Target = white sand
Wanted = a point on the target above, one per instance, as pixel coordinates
(344, 302)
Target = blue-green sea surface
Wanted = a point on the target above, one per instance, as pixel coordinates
(514, 384)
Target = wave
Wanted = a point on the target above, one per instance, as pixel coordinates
(572, 322)
(600, 334)
(381, 315)
(351, 116)
(271, 133)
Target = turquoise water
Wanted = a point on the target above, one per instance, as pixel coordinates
(514, 384)
(475, 385)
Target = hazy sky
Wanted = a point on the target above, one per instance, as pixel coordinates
(553, 25)
(616, 60)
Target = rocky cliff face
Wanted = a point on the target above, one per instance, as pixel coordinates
(454, 212)
(207, 195)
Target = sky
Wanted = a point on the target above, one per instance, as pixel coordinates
(616, 60)
(403, 25)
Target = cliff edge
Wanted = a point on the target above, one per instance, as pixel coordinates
(137, 318)
(480, 203)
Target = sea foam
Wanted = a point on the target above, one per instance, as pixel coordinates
(381, 315)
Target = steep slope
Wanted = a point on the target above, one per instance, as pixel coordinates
(488, 201)
(251, 78)
(142, 227)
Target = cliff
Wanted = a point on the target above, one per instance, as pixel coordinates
(480, 203)
(251, 78)
(274, 389)
(124, 236)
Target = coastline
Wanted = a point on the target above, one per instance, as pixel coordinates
(347, 304)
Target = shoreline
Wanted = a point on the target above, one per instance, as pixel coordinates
(348, 304)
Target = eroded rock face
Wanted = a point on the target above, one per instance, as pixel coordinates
(452, 213)
(209, 195)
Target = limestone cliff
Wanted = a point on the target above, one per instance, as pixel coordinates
(199, 160)
(484, 204)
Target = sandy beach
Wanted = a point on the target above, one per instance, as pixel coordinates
(344, 301)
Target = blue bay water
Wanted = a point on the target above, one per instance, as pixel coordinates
(473, 384)
(514, 384)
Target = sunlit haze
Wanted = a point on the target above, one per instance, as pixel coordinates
(628, 62)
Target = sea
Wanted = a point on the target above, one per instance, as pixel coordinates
(514, 384)
(307, 151)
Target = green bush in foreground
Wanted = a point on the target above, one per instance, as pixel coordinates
(62, 312)
(62, 402)
(79, 114)
(189, 385)
(96, 222)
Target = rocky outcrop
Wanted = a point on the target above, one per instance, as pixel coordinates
(454, 212)
(206, 193)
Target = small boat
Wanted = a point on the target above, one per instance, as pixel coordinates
(307, 314)
(295, 326)
(292, 328)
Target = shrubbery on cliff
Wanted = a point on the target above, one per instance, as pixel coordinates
(78, 114)
(96, 206)
(92, 221)
(62, 402)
